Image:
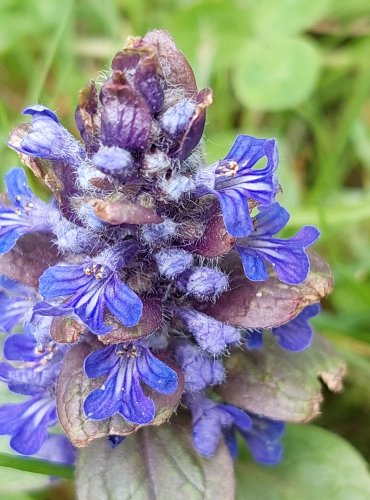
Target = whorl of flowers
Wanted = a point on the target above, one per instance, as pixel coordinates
(121, 297)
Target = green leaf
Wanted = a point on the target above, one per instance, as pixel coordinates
(35, 465)
(280, 384)
(275, 75)
(272, 18)
(317, 464)
(208, 34)
(155, 463)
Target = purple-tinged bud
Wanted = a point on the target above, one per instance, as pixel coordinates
(155, 163)
(176, 119)
(114, 161)
(172, 262)
(139, 63)
(158, 234)
(200, 371)
(176, 186)
(46, 138)
(211, 335)
(203, 283)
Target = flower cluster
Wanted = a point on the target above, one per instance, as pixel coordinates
(107, 291)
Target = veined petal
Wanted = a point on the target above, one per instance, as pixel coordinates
(271, 220)
(264, 440)
(235, 212)
(100, 362)
(59, 281)
(156, 374)
(123, 303)
(253, 264)
(17, 186)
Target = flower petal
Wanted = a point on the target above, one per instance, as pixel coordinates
(156, 374)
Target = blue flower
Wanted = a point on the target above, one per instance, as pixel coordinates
(296, 335)
(235, 180)
(287, 256)
(27, 423)
(26, 214)
(200, 371)
(212, 335)
(213, 421)
(92, 287)
(253, 338)
(47, 139)
(126, 366)
(16, 303)
(57, 448)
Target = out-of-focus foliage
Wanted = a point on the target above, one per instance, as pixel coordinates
(295, 69)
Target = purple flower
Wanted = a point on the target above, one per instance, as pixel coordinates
(288, 256)
(47, 139)
(213, 421)
(26, 347)
(234, 181)
(26, 214)
(200, 371)
(202, 283)
(27, 423)
(126, 366)
(296, 335)
(212, 335)
(92, 287)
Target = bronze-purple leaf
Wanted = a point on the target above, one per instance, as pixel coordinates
(73, 387)
(176, 70)
(87, 117)
(269, 303)
(66, 330)
(216, 241)
(29, 258)
(124, 212)
(150, 321)
(156, 463)
(280, 384)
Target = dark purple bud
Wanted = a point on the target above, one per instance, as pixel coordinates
(139, 63)
(125, 120)
(203, 283)
(114, 161)
(124, 212)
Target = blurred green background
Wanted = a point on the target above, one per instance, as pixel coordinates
(298, 70)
